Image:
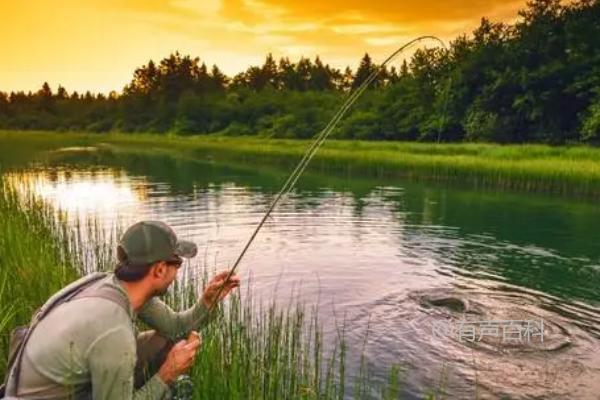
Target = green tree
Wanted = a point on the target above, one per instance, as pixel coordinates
(365, 68)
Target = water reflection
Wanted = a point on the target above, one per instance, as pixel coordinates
(80, 193)
(371, 252)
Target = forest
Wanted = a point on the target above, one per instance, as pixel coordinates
(534, 81)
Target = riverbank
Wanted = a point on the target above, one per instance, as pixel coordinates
(566, 170)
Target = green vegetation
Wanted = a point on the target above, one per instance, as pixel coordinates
(568, 170)
(536, 80)
(32, 266)
(249, 351)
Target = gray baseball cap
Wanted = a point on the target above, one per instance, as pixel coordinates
(147, 242)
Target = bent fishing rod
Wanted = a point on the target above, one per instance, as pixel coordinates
(312, 149)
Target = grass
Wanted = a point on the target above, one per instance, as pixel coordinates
(565, 170)
(32, 265)
(250, 351)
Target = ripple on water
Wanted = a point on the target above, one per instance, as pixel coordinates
(560, 363)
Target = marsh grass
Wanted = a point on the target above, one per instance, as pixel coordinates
(565, 170)
(33, 264)
(251, 350)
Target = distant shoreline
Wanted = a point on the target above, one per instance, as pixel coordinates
(564, 170)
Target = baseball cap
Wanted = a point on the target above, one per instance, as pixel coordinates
(147, 242)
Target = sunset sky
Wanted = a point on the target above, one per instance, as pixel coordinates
(96, 44)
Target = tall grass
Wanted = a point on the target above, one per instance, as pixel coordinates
(568, 170)
(562, 170)
(250, 351)
(33, 265)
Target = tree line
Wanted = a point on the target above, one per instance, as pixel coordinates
(537, 80)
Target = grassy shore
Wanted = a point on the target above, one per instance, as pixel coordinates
(250, 351)
(32, 265)
(566, 170)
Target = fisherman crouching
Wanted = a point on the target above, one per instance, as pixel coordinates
(83, 343)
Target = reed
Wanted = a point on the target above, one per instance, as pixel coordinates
(33, 264)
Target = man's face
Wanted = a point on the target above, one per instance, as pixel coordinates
(167, 277)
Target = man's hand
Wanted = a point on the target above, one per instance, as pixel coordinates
(209, 298)
(180, 358)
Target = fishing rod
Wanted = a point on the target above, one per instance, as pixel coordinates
(312, 149)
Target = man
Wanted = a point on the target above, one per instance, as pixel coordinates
(88, 346)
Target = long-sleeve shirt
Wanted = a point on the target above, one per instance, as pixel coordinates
(86, 348)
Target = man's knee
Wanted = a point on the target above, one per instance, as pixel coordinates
(152, 350)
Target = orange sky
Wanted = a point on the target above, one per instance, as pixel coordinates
(96, 44)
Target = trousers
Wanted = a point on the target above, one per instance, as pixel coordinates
(152, 350)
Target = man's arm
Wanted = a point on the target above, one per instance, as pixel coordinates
(111, 360)
(176, 325)
(170, 323)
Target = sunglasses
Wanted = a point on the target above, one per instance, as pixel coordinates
(175, 263)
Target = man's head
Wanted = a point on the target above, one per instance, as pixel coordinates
(149, 251)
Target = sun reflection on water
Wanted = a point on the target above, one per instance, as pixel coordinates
(97, 193)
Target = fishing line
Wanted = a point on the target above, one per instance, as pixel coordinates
(314, 146)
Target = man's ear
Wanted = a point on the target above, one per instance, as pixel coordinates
(159, 269)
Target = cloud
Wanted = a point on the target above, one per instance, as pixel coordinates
(381, 11)
(96, 44)
(315, 25)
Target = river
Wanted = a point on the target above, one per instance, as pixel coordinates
(487, 294)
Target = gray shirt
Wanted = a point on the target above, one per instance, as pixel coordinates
(86, 348)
